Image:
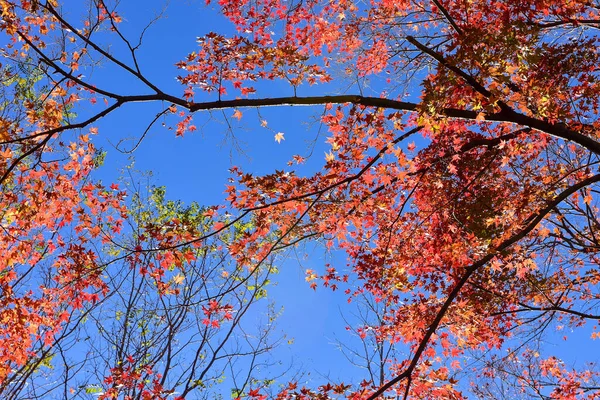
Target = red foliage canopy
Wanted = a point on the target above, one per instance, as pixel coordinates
(471, 213)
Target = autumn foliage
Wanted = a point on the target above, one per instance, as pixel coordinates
(460, 180)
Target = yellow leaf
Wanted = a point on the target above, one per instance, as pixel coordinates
(178, 279)
(511, 69)
(279, 137)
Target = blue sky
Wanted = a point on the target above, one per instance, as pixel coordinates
(195, 168)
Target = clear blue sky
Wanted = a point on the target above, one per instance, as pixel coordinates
(195, 168)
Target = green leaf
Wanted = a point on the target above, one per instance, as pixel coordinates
(92, 389)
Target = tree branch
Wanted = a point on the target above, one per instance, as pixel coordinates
(468, 78)
(448, 16)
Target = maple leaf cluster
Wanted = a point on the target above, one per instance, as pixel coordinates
(454, 238)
